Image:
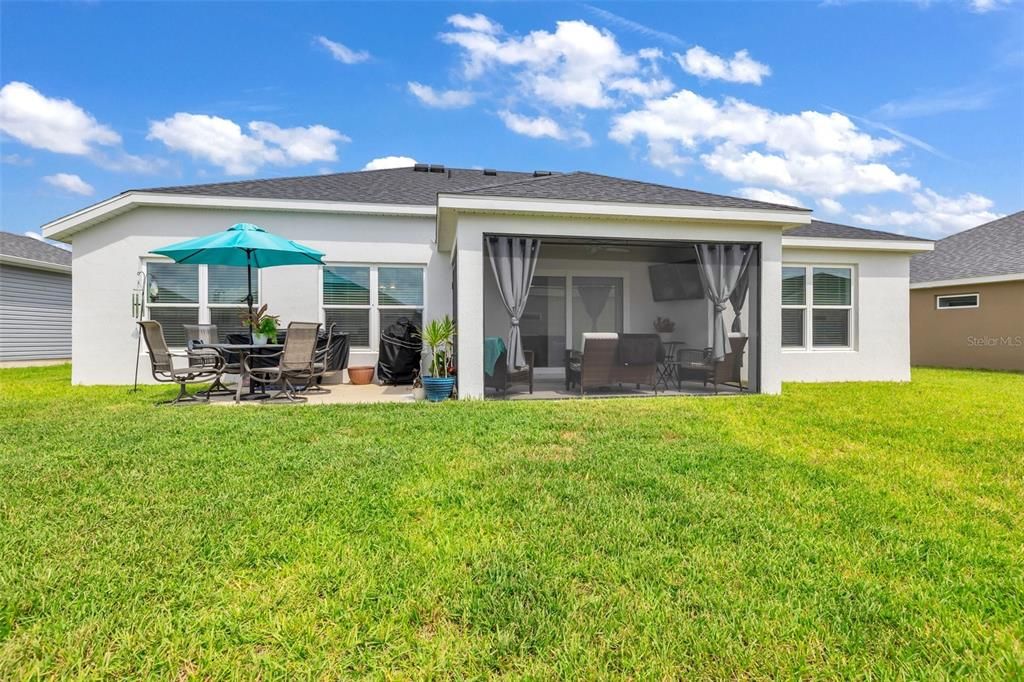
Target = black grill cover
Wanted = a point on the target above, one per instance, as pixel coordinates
(400, 349)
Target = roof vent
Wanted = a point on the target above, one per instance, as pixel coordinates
(421, 167)
(540, 174)
(437, 168)
(490, 171)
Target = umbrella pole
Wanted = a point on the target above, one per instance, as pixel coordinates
(248, 279)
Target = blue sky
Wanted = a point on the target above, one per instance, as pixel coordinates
(901, 116)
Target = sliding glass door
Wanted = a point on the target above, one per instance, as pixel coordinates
(596, 306)
(543, 323)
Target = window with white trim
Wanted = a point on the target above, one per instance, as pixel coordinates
(817, 307)
(179, 294)
(363, 300)
(954, 301)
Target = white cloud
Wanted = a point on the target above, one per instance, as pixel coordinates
(69, 182)
(576, 66)
(16, 160)
(830, 206)
(637, 27)
(772, 196)
(810, 152)
(41, 238)
(935, 215)
(342, 53)
(57, 125)
(222, 142)
(444, 99)
(478, 22)
(984, 6)
(542, 126)
(970, 98)
(740, 69)
(383, 162)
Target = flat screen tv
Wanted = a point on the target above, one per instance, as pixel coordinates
(675, 282)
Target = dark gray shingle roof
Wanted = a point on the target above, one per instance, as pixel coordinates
(581, 186)
(821, 228)
(995, 248)
(408, 186)
(32, 249)
(389, 186)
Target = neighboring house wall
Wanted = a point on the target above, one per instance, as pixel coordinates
(880, 348)
(990, 336)
(108, 256)
(35, 314)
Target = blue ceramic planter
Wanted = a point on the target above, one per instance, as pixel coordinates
(438, 388)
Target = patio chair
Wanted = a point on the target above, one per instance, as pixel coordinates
(608, 358)
(295, 366)
(199, 334)
(201, 367)
(503, 378)
(321, 362)
(696, 363)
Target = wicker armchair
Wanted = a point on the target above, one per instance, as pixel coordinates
(695, 363)
(295, 366)
(201, 367)
(503, 377)
(197, 335)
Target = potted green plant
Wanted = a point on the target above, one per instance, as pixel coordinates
(664, 327)
(439, 335)
(262, 325)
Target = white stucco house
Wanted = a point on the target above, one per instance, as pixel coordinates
(816, 301)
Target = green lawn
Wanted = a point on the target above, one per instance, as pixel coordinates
(868, 530)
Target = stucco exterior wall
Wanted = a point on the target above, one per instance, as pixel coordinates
(990, 336)
(107, 257)
(471, 228)
(881, 321)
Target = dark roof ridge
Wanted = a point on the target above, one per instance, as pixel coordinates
(519, 181)
(888, 235)
(306, 177)
(1000, 219)
(695, 191)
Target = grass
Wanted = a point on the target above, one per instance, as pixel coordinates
(859, 530)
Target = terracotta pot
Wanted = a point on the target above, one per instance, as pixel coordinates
(360, 375)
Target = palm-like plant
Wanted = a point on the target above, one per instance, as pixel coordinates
(439, 335)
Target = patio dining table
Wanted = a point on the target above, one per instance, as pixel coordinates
(243, 350)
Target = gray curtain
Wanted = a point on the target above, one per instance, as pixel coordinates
(721, 268)
(513, 260)
(739, 296)
(595, 298)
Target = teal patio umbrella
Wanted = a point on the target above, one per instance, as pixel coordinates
(242, 245)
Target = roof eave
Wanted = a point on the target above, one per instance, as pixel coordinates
(8, 259)
(62, 229)
(968, 281)
(848, 244)
(495, 204)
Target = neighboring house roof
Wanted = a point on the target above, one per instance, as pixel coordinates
(992, 250)
(389, 186)
(20, 250)
(581, 186)
(826, 230)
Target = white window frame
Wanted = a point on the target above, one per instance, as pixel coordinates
(204, 306)
(808, 307)
(374, 306)
(976, 295)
